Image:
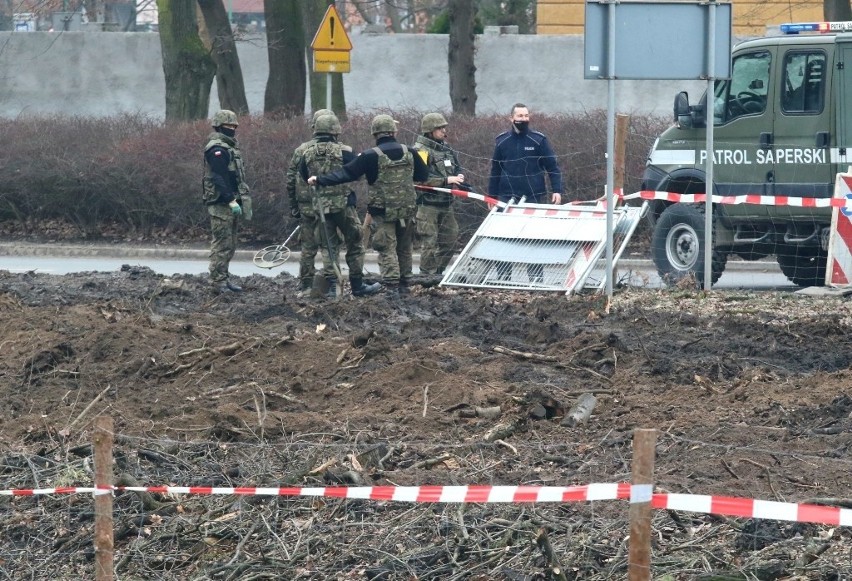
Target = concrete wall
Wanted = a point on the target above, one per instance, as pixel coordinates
(102, 74)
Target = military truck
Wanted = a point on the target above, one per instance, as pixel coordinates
(782, 127)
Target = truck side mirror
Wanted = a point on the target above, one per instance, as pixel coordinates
(682, 112)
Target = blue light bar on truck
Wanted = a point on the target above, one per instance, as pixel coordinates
(821, 27)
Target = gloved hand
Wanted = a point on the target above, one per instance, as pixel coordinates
(351, 199)
(294, 212)
(236, 210)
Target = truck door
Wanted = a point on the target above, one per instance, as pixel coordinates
(743, 109)
(802, 137)
(842, 152)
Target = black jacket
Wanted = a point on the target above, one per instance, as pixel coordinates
(367, 164)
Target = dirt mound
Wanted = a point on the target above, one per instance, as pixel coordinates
(749, 393)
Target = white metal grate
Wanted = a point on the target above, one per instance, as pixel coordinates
(538, 247)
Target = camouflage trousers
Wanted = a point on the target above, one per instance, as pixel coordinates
(309, 244)
(438, 231)
(343, 224)
(223, 245)
(393, 240)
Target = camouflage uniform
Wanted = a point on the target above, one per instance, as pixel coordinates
(322, 157)
(393, 229)
(299, 195)
(218, 191)
(391, 169)
(436, 219)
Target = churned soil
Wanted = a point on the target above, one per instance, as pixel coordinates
(750, 395)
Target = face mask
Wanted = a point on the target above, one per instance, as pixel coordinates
(521, 126)
(228, 132)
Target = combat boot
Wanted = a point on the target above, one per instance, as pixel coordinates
(403, 288)
(362, 289)
(331, 293)
(233, 287)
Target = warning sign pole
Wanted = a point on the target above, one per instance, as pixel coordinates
(331, 46)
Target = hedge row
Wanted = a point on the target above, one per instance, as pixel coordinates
(140, 177)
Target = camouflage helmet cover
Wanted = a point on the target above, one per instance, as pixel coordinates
(224, 117)
(383, 124)
(431, 122)
(319, 113)
(327, 124)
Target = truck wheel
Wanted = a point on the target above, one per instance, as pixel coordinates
(803, 265)
(677, 246)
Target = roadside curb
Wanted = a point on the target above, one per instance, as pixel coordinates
(203, 253)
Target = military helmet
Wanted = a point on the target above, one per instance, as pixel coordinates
(327, 124)
(383, 124)
(224, 117)
(431, 122)
(319, 113)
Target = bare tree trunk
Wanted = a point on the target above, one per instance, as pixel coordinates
(393, 16)
(285, 34)
(460, 56)
(836, 10)
(188, 68)
(219, 40)
(313, 18)
(95, 10)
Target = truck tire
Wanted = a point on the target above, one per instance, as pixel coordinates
(803, 265)
(677, 245)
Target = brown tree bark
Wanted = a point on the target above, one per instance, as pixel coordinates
(285, 34)
(836, 10)
(219, 40)
(460, 56)
(187, 66)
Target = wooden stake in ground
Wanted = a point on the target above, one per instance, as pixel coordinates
(639, 560)
(103, 440)
(621, 124)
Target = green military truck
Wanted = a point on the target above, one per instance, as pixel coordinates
(782, 127)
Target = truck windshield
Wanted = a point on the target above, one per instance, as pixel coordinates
(745, 92)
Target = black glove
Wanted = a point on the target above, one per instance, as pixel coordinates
(294, 212)
(351, 199)
(464, 186)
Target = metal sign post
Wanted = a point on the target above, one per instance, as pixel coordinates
(331, 48)
(663, 44)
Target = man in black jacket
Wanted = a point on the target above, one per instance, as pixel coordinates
(521, 160)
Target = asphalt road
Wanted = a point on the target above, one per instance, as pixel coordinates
(168, 260)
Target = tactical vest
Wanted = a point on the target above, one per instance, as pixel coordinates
(442, 164)
(321, 158)
(303, 190)
(235, 167)
(393, 190)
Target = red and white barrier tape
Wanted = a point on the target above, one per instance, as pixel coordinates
(480, 494)
(719, 505)
(464, 194)
(744, 199)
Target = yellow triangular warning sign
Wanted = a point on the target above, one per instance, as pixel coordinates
(331, 35)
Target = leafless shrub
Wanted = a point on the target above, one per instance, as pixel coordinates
(137, 176)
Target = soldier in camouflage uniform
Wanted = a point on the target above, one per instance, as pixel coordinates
(224, 191)
(337, 203)
(301, 208)
(391, 169)
(436, 220)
